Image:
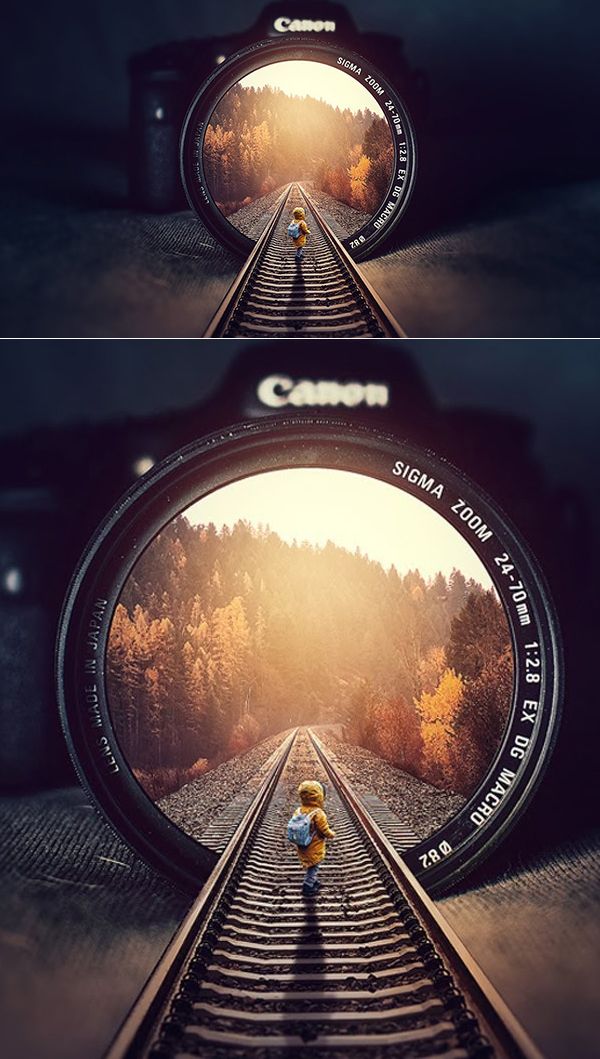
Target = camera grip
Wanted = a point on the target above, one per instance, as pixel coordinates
(155, 122)
(32, 752)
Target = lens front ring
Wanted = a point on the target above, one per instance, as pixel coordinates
(385, 97)
(266, 448)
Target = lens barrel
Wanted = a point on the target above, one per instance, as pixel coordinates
(243, 455)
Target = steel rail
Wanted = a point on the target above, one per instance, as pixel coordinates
(154, 997)
(505, 1032)
(387, 321)
(343, 300)
(244, 943)
(231, 300)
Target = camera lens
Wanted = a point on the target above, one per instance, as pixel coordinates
(280, 127)
(302, 572)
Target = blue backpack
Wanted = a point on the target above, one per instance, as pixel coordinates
(294, 229)
(299, 829)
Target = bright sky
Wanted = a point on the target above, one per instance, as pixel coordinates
(352, 510)
(300, 77)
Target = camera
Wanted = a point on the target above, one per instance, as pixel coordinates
(224, 124)
(193, 595)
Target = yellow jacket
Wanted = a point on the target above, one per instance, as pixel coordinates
(311, 801)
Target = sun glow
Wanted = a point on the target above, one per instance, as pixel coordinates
(317, 505)
(300, 77)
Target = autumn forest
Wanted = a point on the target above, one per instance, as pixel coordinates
(224, 637)
(260, 139)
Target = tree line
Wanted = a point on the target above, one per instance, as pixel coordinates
(259, 139)
(448, 732)
(223, 637)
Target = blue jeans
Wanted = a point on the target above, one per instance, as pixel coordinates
(311, 876)
(299, 253)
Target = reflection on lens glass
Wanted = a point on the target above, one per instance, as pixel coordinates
(310, 597)
(298, 122)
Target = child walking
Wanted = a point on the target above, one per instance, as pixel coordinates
(298, 230)
(309, 829)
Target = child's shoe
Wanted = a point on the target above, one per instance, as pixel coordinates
(310, 891)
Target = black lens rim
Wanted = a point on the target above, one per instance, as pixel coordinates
(359, 244)
(209, 463)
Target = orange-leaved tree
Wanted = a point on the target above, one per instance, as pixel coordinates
(439, 712)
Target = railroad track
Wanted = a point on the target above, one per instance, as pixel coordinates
(368, 969)
(324, 296)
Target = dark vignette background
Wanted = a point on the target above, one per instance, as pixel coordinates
(503, 239)
(82, 920)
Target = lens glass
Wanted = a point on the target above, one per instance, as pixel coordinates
(311, 596)
(298, 123)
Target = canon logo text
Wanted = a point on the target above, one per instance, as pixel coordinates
(277, 391)
(302, 25)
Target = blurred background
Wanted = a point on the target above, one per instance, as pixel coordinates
(79, 421)
(502, 238)
(82, 919)
(534, 65)
(552, 385)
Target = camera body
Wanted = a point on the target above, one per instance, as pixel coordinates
(165, 79)
(56, 486)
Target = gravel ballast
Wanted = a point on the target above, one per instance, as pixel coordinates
(344, 220)
(253, 219)
(423, 807)
(196, 805)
